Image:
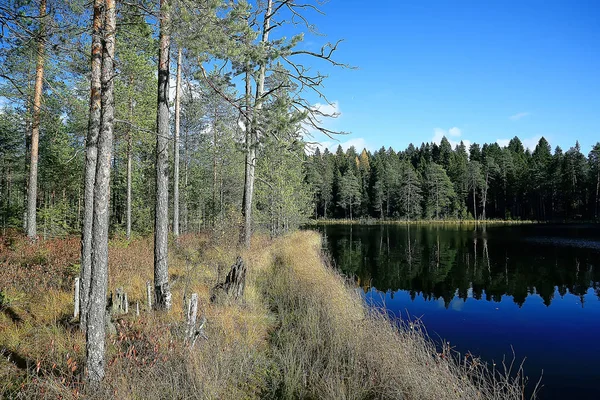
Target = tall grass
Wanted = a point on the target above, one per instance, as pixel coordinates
(329, 345)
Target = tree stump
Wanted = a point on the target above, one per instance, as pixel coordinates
(119, 304)
(233, 287)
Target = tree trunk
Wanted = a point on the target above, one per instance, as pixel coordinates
(35, 126)
(437, 201)
(214, 189)
(176, 149)
(252, 133)
(129, 164)
(185, 182)
(474, 202)
(487, 175)
(250, 166)
(161, 222)
(95, 344)
(409, 202)
(597, 191)
(91, 153)
(387, 204)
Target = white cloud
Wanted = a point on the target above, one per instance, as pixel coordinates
(454, 132)
(528, 143)
(326, 116)
(358, 143)
(330, 110)
(503, 142)
(518, 116)
(457, 304)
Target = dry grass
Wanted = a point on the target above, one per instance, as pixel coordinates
(329, 345)
(301, 331)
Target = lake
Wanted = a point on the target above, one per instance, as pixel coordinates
(531, 288)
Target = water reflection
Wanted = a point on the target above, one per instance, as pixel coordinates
(441, 263)
(531, 289)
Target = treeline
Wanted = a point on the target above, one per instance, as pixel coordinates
(439, 182)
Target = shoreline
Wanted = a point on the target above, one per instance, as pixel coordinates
(313, 222)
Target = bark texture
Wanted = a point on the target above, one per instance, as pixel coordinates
(176, 149)
(129, 165)
(91, 153)
(252, 130)
(95, 332)
(35, 126)
(162, 292)
(250, 167)
(234, 285)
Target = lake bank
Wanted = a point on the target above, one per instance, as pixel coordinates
(419, 222)
(302, 331)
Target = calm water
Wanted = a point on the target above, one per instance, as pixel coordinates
(535, 288)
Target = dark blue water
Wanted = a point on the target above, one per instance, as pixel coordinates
(534, 289)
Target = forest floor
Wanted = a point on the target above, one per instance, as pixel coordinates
(301, 330)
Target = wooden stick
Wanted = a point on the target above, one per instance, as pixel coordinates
(192, 315)
(149, 295)
(76, 301)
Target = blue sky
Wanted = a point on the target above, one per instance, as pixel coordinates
(479, 71)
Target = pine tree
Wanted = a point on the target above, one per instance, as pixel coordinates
(594, 162)
(410, 194)
(349, 192)
(439, 191)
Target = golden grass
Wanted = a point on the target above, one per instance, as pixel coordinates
(329, 345)
(301, 330)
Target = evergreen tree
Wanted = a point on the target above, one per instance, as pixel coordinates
(349, 192)
(439, 191)
(594, 162)
(410, 196)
